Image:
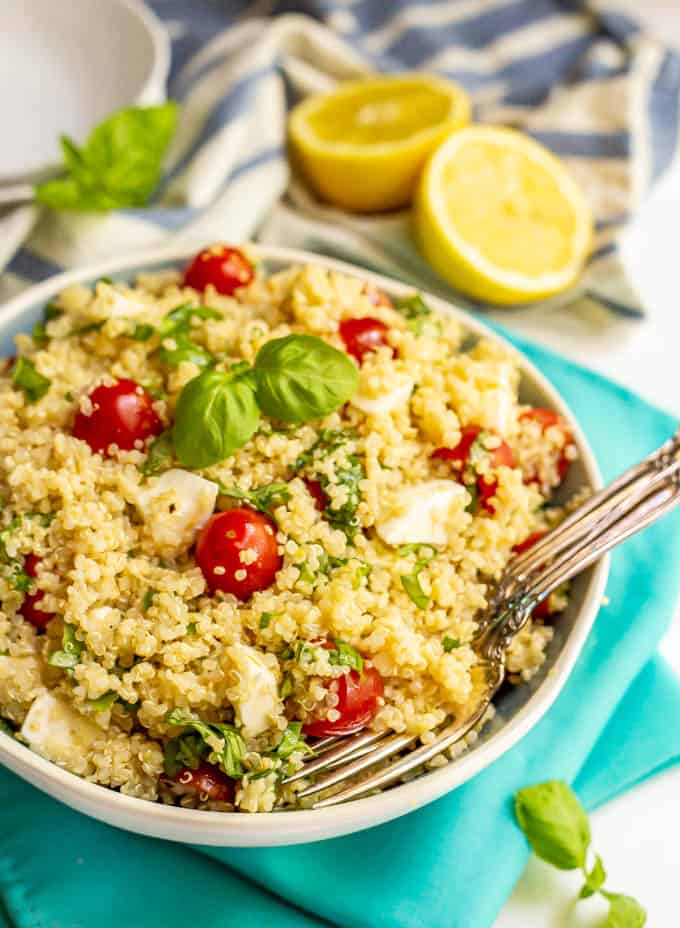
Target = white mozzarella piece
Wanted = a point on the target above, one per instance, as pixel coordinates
(419, 513)
(176, 506)
(499, 407)
(259, 700)
(385, 402)
(55, 730)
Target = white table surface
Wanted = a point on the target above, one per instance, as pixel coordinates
(636, 834)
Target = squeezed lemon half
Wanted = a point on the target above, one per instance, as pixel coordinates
(500, 218)
(363, 146)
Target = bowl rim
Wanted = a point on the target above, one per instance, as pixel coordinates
(151, 89)
(234, 829)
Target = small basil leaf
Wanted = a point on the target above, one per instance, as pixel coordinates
(142, 332)
(624, 912)
(347, 656)
(71, 649)
(301, 377)
(104, 702)
(262, 498)
(30, 380)
(554, 823)
(179, 318)
(411, 584)
(292, 741)
(216, 413)
(184, 350)
(450, 644)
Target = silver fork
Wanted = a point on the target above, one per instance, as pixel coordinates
(636, 499)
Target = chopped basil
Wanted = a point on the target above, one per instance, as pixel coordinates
(286, 687)
(178, 320)
(185, 350)
(52, 311)
(450, 644)
(191, 628)
(262, 498)
(19, 579)
(103, 703)
(229, 755)
(362, 572)
(420, 318)
(185, 751)
(147, 599)
(30, 380)
(329, 440)
(411, 582)
(349, 476)
(142, 332)
(89, 327)
(119, 165)
(266, 617)
(71, 649)
(292, 741)
(346, 656)
(160, 454)
(39, 334)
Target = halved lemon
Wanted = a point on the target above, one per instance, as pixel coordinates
(500, 218)
(363, 146)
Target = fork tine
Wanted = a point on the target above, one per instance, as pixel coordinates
(343, 749)
(384, 748)
(403, 765)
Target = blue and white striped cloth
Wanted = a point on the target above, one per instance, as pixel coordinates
(580, 77)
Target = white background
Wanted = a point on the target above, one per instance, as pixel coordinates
(637, 834)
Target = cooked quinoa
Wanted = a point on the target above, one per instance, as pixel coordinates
(386, 550)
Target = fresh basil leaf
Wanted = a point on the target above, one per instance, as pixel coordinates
(450, 644)
(230, 755)
(345, 517)
(179, 318)
(594, 880)
(71, 649)
(554, 823)
(624, 912)
(362, 572)
(234, 751)
(147, 599)
(346, 655)
(104, 702)
(262, 498)
(160, 455)
(411, 584)
(266, 617)
(292, 741)
(89, 327)
(19, 579)
(6, 534)
(191, 628)
(119, 165)
(329, 440)
(301, 377)
(185, 751)
(30, 380)
(216, 413)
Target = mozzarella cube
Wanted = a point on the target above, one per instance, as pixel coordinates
(258, 700)
(419, 513)
(176, 506)
(55, 730)
(397, 396)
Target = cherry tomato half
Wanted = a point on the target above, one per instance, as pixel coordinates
(225, 268)
(29, 608)
(220, 544)
(542, 610)
(362, 336)
(316, 492)
(206, 782)
(547, 418)
(459, 456)
(122, 414)
(358, 696)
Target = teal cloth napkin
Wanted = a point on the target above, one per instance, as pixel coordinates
(449, 865)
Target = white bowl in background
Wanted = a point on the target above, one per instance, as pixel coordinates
(64, 67)
(518, 710)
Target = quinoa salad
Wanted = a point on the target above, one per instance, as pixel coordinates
(241, 511)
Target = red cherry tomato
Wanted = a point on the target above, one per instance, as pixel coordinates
(501, 456)
(317, 493)
(207, 782)
(225, 268)
(542, 610)
(377, 296)
(222, 540)
(358, 696)
(362, 336)
(547, 418)
(122, 414)
(29, 608)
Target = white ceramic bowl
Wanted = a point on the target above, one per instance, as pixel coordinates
(518, 710)
(65, 67)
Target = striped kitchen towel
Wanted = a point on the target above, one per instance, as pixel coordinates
(580, 77)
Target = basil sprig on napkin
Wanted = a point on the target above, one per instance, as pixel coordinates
(558, 830)
(119, 165)
(297, 378)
